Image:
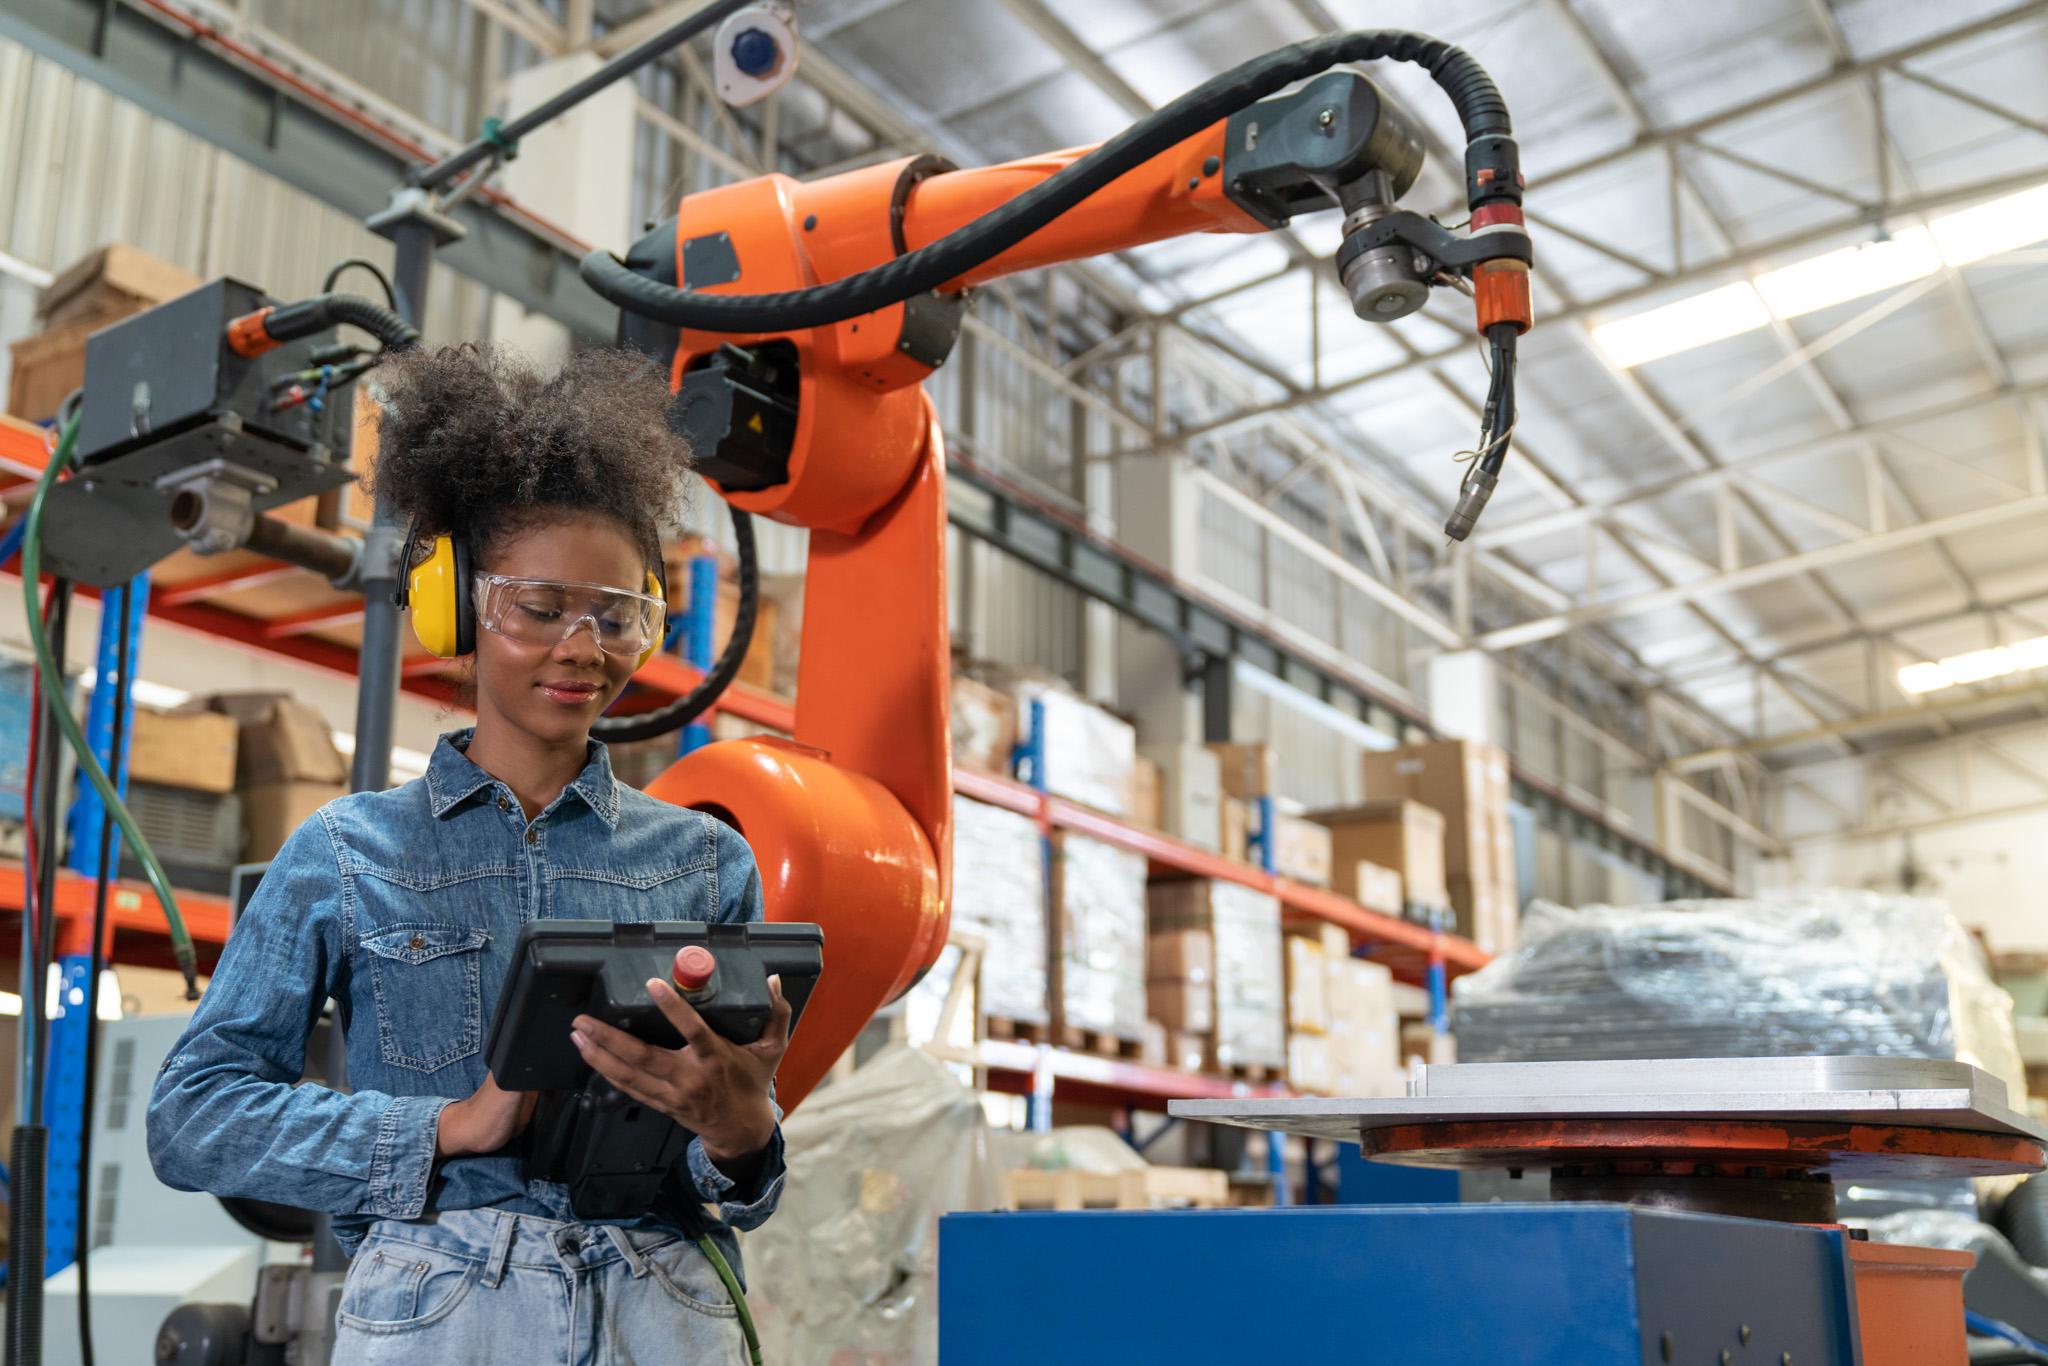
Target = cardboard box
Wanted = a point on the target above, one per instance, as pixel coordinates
(1394, 833)
(1152, 1044)
(1251, 1027)
(1146, 804)
(1190, 793)
(1187, 1052)
(984, 727)
(1308, 972)
(1308, 1064)
(1180, 956)
(1301, 850)
(757, 670)
(194, 750)
(281, 741)
(1088, 753)
(1247, 771)
(271, 811)
(1467, 782)
(1364, 1039)
(1099, 939)
(1421, 1043)
(1376, 888)
(109, 284)
(45, 368)
(1486, 914)
(1237, 829)
(1336, 941)
(112, 283)
(1189, 1007)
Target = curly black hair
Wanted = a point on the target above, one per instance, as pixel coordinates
(477, 442)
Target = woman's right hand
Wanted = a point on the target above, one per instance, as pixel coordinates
(485, 1122)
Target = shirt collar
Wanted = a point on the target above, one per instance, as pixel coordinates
(452, 778)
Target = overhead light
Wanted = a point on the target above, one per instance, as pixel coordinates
(2002, 225)
(1924, 677)
(1834, 277)
(1976, 666)
(1681, 326)
(1850, 273)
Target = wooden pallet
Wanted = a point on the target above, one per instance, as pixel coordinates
(1003, 1027)
(1101, 1044)
(1145, 1188)
(1250, 1073)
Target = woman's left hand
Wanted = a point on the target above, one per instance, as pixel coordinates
(714, 1087)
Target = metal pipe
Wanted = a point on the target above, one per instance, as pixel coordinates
(334, 558)
(627, 62)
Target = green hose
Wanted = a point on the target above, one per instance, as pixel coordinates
(739, 1296)
(53, 688)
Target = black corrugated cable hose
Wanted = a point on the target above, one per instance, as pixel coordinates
(2023, 1219)
(1480, 108)
(25, 1231)
(288, 322)
(687, 708)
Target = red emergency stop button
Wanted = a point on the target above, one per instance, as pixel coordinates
(694, 966)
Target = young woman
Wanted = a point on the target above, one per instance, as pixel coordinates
(403, 907)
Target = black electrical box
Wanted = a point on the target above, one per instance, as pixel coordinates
(738, 409)
(166, 400)
(165, 369)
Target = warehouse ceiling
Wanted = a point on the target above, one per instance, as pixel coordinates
(1780, 428)
(1772, 523)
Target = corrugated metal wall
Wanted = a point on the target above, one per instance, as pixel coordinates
(80, 168)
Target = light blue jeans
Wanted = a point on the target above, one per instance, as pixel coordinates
(489, 1286)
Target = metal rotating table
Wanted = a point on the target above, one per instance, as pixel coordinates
(1759, 1137)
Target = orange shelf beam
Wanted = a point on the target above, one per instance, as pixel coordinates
(1165, 852)
(666, 673)
(1085, 1077)
(23, 448)
(130, 906)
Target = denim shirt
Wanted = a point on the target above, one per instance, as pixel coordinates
(403, 906)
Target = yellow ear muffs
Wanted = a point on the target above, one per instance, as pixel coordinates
(655, 589)
(438, 590)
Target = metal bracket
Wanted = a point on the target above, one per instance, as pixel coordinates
(213, 503)
(1446, 248)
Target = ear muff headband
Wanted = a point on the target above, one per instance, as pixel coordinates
(438, 589)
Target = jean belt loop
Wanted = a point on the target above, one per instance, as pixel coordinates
(624, 1243)
(501, 1250)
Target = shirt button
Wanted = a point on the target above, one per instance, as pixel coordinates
(504, 805)
(533, 834)
(418, 941)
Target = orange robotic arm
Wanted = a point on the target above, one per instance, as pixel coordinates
(824, 426)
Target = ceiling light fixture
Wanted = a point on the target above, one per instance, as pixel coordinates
(1976, 666)
(1834, 277)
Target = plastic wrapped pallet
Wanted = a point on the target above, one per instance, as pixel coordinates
(1101, 964)
(1832, 972)
(999, 894)
(1089, 755)
(1251, 1023)
(847, 1270)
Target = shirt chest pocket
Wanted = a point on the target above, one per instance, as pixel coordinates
(427, 979)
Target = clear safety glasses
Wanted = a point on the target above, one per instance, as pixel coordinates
(548, 611)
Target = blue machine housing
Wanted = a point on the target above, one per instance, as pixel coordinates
(1418, 1285)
